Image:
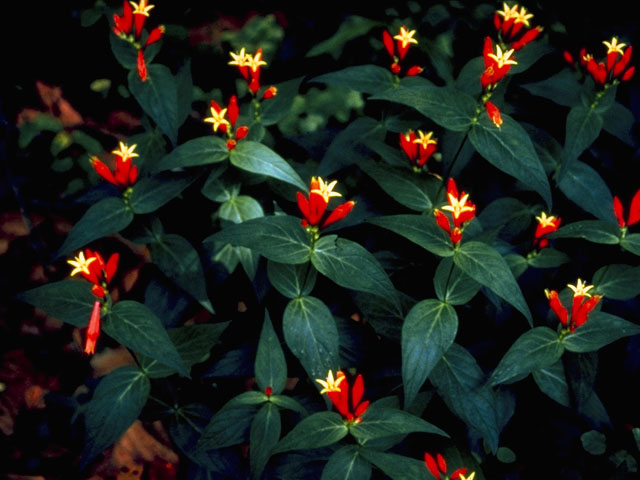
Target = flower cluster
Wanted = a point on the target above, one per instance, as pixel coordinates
(634, 210)
(125, 173)
(514, 26)
(438, 467)
(546, 225)
(614, 68)
(314, 209)
(338, 391)
(398, 50)
(496, 66)
(418, 148)
(134, 16)
(462, 212)
(220, 122)
(93, 268)
(249, 67)
(580, 308)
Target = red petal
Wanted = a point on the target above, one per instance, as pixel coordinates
(442, 220)
(568, 57)
(526, 38)
(155, 35)
(634, 211)
(452, 188)
(317, 207)
(557, 307)
(339, 213)
(357, 391)
(102, 170)
(611, 60)
(133, 175)
(486, 50)
(617, 209)
(442, 465)
(112, 266)
(142, 66)
(461, 471)
(402, 51)
(127, 17)
(628, 74)
(387, 40)
(516, 28)
(122, 171)
(254, 86)
(242, 132)
(303, 204)
(624, 61)
(415, 70)
(430, 462)
(139, 20)
(233, 110)
(361, 409)
(497, 22)
(94, 329)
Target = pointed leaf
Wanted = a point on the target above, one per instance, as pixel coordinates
(151, 193)
(595, 231)
(240, 208)
(361, 78)
(631, 243)
(600, 329)
(398, 467)
(288, 403)
(135, 326)
(315, 431)
(276, 108)
(116, 404)
(585, 187)
(109, 215)
(279, 238)
(509, 149)
(347, 464)
(618, 121)
(265, 433)
(486, 266)
(381, 421)
(292, 280)
(420, 229)
(270, 366)
(619, 282)
(452, 285)
(427, 333)
(229, 426)
(552, 381)
(561, 88)
(548, 258)
(257, 158)
(311, 334)
(535, 349)
(199, 151)
(583, 127)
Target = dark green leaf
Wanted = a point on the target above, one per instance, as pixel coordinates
(361, 78)
(276, 108)
(548, 258)
(382, 422)
(116, 404)
(315, 431)
(420, 229)
(288, 403)
(561, 88)
(620, 282)
(351, 27)
(135, 326)
(311, 334)
(184, 85)
(631, 243)
(180, 262)
(406, 187)
(599, 330)
(151, 193)
(68, 300)
(108, 216)
(240, 208)
(486, 266)
(199, 151)
(158, 97)
(351, 266)
(257, 158)
(458, 379)
(229, 426)
(347, 464)
(428, 331)
(452, 285)
(618, 121)
(398, 467)
(517, 264)
(583, 127)
(124, 51)
(552, 381)
(265, 433)
(448, 107)
(535, 349)
(279, 238)
(509, 149)
(595, 231)
(193, 343)
(270, 366)
(585, 187)
(594, 442)
(292, 281)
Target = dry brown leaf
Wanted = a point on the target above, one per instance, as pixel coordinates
(109, 359)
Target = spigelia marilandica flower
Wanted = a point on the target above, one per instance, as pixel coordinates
(462, 212)
(580, 308)
(93, 268)
(403, 41)
(220, 122)
(418, 148)
(496, 65)
(249, 67)
(125, 173)
(347, 400)
(514, 26)
(616, 65)
(494, 113)
(546, 224)
(314, 209)
(634, 210)
(438, 467)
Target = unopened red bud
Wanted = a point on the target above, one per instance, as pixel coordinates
(231, 144)
(242, 132)
(268, 391)
(395, 68)
(415, 70)
(628, 74)
(568, 57)
(142, 66)
(270, 92)
(494, 114)
(155, 35)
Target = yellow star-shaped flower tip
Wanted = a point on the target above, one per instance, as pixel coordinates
(326, 189)
(580, 288)
(614, 46)
(507, 12)
(125, 151)
(331, 384)
(142, 8)
(503, 58)
(470, 477)
(81, 264)
(255, 61)
(239, 59)
(406, 37)
(217, 118)
(457, 207)
(523, 17)
(546, 221)
(425, 140)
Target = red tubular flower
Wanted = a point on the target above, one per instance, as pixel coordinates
(140, 14)
(142, 66)
(616, 65)
(546, 225)
(220, 122)
(438, 467)
(93, 331)
(249, 66)
(270, 92)
(580, 308)
(403, 41)
(418, 148)
(514, 27)
(634, 210)
(314, 209)
(496, 64)
(155, 35)
(338, 391)
(123, 24)
(125, 174)
(462, 212)
(494, 113)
